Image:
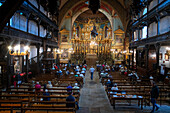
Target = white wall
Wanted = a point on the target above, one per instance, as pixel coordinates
(116, 23)
(153, 4)
(163, 51)
(152, 29)
(165, 24)
(34, 2)
(33, 52)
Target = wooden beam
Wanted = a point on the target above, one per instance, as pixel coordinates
(7, 10)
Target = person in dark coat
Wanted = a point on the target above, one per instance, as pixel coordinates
(46, 93)
(154, 95)
(71, 98)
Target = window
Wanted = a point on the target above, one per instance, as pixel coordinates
(33, 27)
(18, 21)
(0, 4)
(144, 11)
(144, 30)
(42, 31)
(135, 35)
(34, 2)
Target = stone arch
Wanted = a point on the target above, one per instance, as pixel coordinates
(85, 9)
(115, 4)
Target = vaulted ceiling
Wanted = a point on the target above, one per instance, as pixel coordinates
(110, 7)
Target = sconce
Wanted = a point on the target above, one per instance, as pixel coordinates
(127, 52)
(71, 50)
(59, 51)
(15, 51)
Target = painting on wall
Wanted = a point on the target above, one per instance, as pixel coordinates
(166, 57)
(160, 56)
(119, 39)
(64, 55)
(64, 38)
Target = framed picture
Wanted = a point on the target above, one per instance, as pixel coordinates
(166, 57)
(160, 56)
(119, 39)
(64, 55)
(64, 38)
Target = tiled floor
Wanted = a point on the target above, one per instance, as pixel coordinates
(93, 99)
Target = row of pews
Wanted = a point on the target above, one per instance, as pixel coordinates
(25, 99)
(129, 91)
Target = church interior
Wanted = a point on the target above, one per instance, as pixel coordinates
(84, 56)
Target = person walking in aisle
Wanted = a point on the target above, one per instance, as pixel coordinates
(154, 95)
(91, 71)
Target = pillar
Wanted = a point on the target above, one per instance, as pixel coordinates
(38, 58)
(27, 68)
(8, 70)
(147, 55)
(157, 56)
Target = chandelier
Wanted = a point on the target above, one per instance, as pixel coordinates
(94, 5)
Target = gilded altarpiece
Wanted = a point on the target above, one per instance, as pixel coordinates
(118, 46)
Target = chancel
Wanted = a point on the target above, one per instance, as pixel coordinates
(84, 56)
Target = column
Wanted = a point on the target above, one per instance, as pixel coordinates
(157, 55)
(52, 56)
(147, 55)
(27, 67)
(27, 21)
(8, 70)
(132, 58)
(38, 58)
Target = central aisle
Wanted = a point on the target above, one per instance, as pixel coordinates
(93, 97)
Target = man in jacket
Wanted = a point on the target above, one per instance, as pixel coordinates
(154, 96)
(71, 98)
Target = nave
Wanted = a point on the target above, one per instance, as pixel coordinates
(94, 99)
(47, 48)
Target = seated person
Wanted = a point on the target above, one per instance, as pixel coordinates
(72, 73)
(76, 86)
(65, 68)
(83, 72)
(103, 75)
(81, 75)
(71, 98)
(45, 86)
(109, 69)
(125, 73)
(76, 70)
(37, 87)
(55, 67)
(32, 85)
(60, 72)
(108, 83)
(49, 85)
(78, 73)
(46, 94)
(69, 88)
(114, 88)
(67, 72)
(83, 69)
